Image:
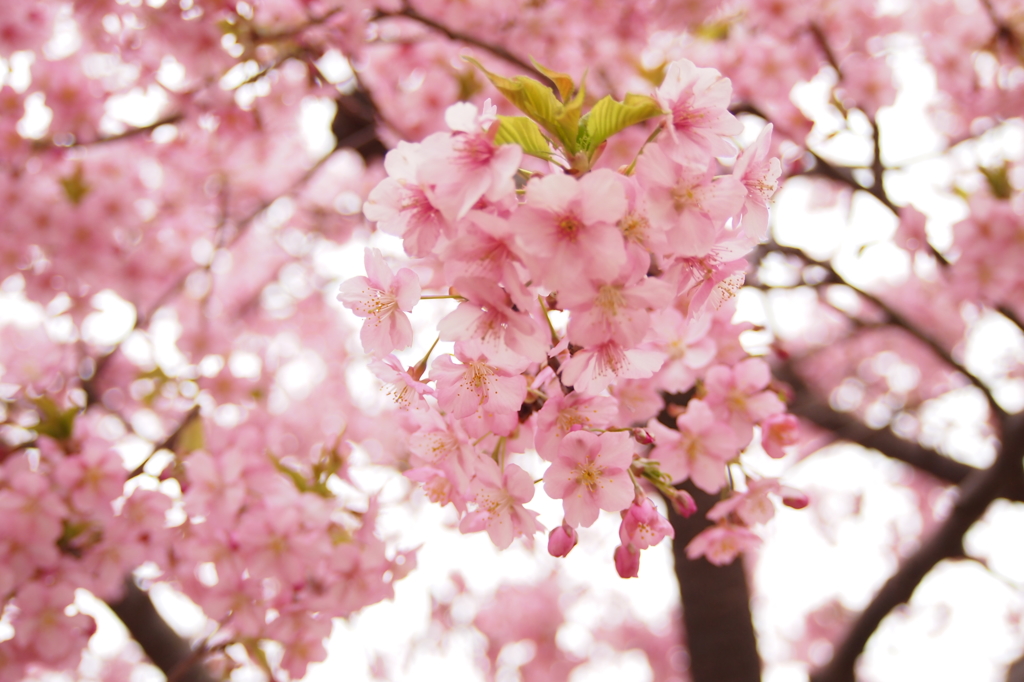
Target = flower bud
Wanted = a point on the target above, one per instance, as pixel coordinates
(642, 436)
(627, 561)
(791, 497)
(683, 504)
(562, 540)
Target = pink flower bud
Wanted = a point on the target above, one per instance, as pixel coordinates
(562, 540)
(791, 497)
(627, 561)
(642, 436)
(683, 504)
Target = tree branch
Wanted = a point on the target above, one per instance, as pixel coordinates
(163, 645)
(409, 13)
(902, 322)
(976, 493)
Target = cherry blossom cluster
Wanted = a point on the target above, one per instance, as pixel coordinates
(68, 525)
(644, 260)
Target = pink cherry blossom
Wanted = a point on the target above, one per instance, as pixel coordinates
(405, 389)
(697, 101)
(562, 412)
(779, 431)
(468, 165)
(589, 474)
(643, 526)
(569, 225)
(499, 497)
(687, 199)
(383, 298)
(591, 370)
(738, 395)
(722, 543)
(401, 206)
(697, 449)
(760, 175)
(614, 309)
(489, 321)
(491, 393)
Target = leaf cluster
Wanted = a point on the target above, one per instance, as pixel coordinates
(555, 120)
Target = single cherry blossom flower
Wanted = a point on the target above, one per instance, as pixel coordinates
(698, 448)
(738, 395)
(462, 167)
(591, 370)
(760, 175)
(643, 526)
(722, 543)
(383, 298)
(562, 412)
(568, 227)
(499, 497)
(697, 101)
(591, 473)
(491, 392)
(401, 205)
(779, 431)
(490, 321)
(686, 199)
(401, 386)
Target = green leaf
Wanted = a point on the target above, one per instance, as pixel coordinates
(298, 479)
(538, 102)
(998, 178)
(54, 422)
(608, 117)
(74, 186)
(524, 132)
(562, 81)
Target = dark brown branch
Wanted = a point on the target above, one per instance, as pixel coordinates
(716, 605)
(819, 37)
(164, 647)
(844, 175)
(977, 492)
(877, 189)
(847, 427)
(169, 442)
(498, 51)
(902, 322)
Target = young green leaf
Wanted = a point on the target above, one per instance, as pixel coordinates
(608, 117)
(524, 132)
(562, 81)
(539, 103)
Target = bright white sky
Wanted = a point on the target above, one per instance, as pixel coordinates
(963, 622)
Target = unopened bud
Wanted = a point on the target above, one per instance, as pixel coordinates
(562, 540)
(642, 436)
(627, 561)
(683, 504)
(791, 497)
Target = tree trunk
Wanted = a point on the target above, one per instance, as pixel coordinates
(716, 606)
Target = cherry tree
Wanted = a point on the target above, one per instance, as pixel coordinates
(642, 263)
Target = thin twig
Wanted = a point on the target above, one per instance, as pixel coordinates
(498, 51)
(901, 321)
